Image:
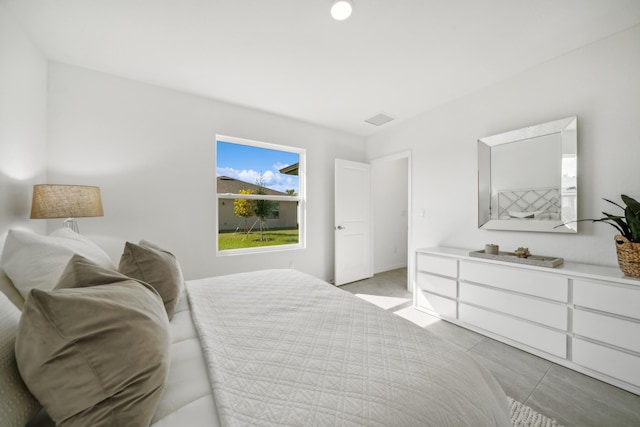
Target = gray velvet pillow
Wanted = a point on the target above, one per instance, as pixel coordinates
(157, 267)
(94, 351)
(81, 272)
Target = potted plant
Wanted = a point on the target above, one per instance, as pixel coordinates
(628, 241)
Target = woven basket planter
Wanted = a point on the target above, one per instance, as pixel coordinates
(628, 256)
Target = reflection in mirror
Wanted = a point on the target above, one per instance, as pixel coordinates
(527, 178)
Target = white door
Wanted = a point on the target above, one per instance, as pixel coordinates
(353, 243)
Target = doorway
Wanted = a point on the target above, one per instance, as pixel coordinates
(391, 199)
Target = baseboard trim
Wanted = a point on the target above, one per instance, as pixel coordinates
(389, 267)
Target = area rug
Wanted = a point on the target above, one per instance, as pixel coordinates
(524, 416)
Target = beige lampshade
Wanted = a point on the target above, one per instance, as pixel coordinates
(65, 201)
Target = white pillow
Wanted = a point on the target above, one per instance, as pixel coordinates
(35, 261)
(17, 405)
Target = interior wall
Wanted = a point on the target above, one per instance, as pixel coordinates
(23, 125)
(390, 199)
(598, 83)
(151, 150)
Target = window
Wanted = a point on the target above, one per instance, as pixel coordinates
(260, 196)
(274, 212)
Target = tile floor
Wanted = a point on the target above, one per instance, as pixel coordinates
(571, 398)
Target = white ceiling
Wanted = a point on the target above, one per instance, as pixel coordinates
(398, 57)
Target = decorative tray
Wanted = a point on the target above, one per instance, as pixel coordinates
(540, 261)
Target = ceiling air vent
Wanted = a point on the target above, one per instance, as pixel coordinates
(379, 119)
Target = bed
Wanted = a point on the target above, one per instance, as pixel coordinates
(269, 348)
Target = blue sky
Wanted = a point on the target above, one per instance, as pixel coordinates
(247, 163)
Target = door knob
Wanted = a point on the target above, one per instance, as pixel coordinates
(340, 227)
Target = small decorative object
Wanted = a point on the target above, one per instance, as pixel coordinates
(491, 249)
(522, 252)
(537, 260)
(628, 242)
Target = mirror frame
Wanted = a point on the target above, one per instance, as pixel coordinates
(567, 130)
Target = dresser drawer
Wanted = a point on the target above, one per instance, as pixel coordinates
(616, 364)
(544, 312)
(611, 330)
(437, 284)
(444, 307)
(623, 300)
(530, 282)
(437, 265)
(527, 333)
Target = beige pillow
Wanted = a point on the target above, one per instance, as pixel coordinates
(81, 273)
(35, 261)
(17, 404)
(96, 354)
(157, 267)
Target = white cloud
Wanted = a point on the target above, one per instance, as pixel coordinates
(250, 176)
(225, 172)
(272, 179)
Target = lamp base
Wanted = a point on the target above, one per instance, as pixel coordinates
(72, 224)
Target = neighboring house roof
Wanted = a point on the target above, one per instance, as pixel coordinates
(227, 184)
(291, 169)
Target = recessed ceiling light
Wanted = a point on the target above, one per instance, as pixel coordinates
(341, 9)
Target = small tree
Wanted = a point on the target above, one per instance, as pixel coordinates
(262, 208)
(244, 208)
(291, 192)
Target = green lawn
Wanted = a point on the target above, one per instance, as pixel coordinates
(273, 237)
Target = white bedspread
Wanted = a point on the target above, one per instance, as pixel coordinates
(286, 349)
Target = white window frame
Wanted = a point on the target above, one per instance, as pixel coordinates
(300, 197)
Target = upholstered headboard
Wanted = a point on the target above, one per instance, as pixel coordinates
(541, 201)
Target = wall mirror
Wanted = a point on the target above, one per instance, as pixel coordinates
(527, 178)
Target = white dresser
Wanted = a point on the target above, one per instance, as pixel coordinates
(584, 317)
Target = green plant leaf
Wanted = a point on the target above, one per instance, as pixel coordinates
(627, 225)
(632, 215)
(617, 222)
(633, 222)
(613, 203)
(632, 204)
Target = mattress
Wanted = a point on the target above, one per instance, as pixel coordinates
(187, 400)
